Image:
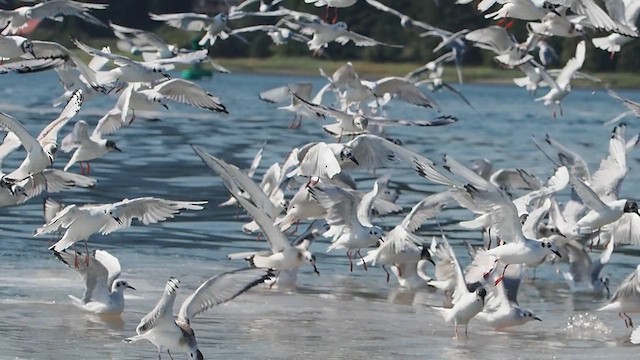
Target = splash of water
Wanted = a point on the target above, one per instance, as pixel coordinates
(585, 326)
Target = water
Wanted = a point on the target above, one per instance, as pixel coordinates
(336, 315)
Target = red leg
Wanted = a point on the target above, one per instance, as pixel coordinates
(81, 168)
(86, 249)
(509, 24)
(335, 18)
(88, 168)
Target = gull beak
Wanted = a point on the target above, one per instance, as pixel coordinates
(352, 158)
(32, 53)
(537, 318)
(130, 287)
(315, 269)
(557, 253)
(118, 220)
(116, 148)
(638, 212)
(431, 261)
(608, 292)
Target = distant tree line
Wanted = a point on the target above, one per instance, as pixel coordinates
(361, 18)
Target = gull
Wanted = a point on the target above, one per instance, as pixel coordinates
(505, 222)
(400, 245)
(146, 43)
(600, 213)
(279, 35)
(501, 308)
(546, 53)
(41, 151)
(80, 222)
(561, 85)
(87, 148)
(73, 80)
(161, 329)
(532, 80)
(49, 180)
(13, 21)
(584, 273)
(103, 290)
(286, 279)
(364, 152)
(466, 304)
(517, 9)
(128, 70)
(595, 16)
(404, 90)
(445, 272)
(454, 41)
(404, 19)
(353, 124)
(284, 93)
(214, 27)
(433, 67)
(554, 24)
(30, 65)
(283, 255)
(497, 40)
(332, 3)
(626, 299)
(240, 184)
(349, 218)
(324, 33)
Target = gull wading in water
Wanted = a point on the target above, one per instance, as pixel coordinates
(168, 334)
(103, 290)
(627, 298)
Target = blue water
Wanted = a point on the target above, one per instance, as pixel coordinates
(336, 315)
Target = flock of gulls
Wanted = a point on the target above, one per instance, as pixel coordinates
(522, 222)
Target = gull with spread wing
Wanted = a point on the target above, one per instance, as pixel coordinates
(175, 334)
(13, 21)
(324, 33)
(626, 299)
(87, 147)
(214, 27)
(80, 222)
(103, 288)
(41, 151)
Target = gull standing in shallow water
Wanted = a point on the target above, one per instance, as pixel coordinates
(175, 334)
(466, 304)
(103, 290)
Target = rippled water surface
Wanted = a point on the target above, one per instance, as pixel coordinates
(336, 315)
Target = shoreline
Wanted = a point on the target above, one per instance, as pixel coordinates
(471, 74)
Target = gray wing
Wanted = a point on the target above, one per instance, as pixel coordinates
(163, 310)
(95, 275)
(220, 289)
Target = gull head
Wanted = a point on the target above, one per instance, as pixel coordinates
(28, 14)
(551, 246)
(360, 121)
(223, 17)
(311, 259)
(376, 233)
(481, 293)
(51, 151)
(347, 153)
(405, 21)
(529, 316)
(425, 254)
(27, 47)
(114, 213)
(111, 146)
(120, 285)
(341, 25)
(18, 190)
(631, 207)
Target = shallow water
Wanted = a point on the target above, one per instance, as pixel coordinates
(336, 315)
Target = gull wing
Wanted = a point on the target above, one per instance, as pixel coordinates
(505, 222)
(405, 91)
(76, 137)
(630, 287)
(54, 8)
(360, 40)
(49, 135)
(54, 180)
(588, 196)
(148, 210)
(184, 21)
(320, 161)
(110, 263)
(607, 180)
(27, 140)
(363, 211)
(187, 92)
(277, 240)
(573, 65)
(94, 276)
(163, 311)
(220, 289)
(531, 225)
(461, 285)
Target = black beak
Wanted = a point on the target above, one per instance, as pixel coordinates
(431, 261)
(608, 292)
(557, 253)
(638, 212)
(537, 318)
(116, 148)
(118, 220)
(315, 269)
(561, 234)
(130, 287)
(352, 158)
(32, 53)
